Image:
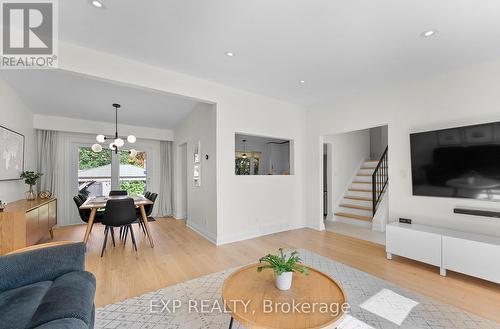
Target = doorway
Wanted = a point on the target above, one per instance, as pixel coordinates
(327, 180)
(355, 181)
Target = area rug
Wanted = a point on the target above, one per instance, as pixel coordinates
(374, 303)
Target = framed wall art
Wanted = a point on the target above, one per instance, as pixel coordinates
(11, 154)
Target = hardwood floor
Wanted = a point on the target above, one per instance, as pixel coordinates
(181, 254)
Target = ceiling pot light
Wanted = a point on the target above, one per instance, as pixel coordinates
(428, 33)
(131, 139)
(97, 148)
(97, 3)
(119, 142)
(229, 54)
(302, 81)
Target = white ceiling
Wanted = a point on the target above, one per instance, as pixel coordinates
(59, 93)
(338, 47)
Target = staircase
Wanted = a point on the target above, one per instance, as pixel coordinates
(357, 205)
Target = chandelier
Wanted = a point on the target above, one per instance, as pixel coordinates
(117, 141)
(244, 155)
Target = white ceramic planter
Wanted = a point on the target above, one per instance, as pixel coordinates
(284, 281)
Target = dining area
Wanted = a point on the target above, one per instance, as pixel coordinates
(129, 214)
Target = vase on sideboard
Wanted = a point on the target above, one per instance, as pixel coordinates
(30, 194)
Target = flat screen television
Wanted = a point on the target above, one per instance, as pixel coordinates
(461, 162)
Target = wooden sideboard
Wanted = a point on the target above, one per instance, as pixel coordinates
(24, 223)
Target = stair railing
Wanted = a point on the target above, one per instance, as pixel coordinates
(380, 177)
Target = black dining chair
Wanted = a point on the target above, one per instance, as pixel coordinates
(148, 209)
(119, 213)
(82, 197)
(85, 213)
(147, 194)
(118, 193)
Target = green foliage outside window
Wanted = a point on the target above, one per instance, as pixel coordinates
(139, 160)
(248, 165)
(133, 187)
(242, 166)
(256, 166)
(90, 159)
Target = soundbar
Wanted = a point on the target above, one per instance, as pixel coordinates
(475, 212)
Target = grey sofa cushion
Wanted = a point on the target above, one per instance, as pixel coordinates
(18, 305)
(70, 296)
(45, 264)
(64, 324)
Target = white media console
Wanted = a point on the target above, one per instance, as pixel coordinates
(472, 254)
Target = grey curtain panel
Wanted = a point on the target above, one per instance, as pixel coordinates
(166, 180)
(46, 161)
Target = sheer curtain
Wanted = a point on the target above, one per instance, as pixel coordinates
(46, 160)
(166, 184)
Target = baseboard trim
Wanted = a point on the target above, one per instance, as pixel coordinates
(202, 231)
(80, 222)
(262, 232)
(179, 215)
(316, 227)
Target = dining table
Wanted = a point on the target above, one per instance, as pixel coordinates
(99, 202)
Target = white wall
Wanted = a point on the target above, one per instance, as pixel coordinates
(245, 207)
(348, 151)
(16, 116)
(378, 142)
(468, 96)
(199, 126)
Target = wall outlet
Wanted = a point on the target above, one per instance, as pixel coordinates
(405, 220)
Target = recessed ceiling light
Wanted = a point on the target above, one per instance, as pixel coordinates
(229, 54)
(428, 33)
(97, 3)
(302, 81)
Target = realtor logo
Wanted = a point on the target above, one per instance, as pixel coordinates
(29, 34)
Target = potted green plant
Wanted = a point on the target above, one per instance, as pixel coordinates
(283, 267)
(31, 178)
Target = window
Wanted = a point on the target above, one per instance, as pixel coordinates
(133, 173)
(94, 172)
(99, 173)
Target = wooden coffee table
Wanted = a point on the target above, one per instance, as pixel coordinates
(267, 306)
